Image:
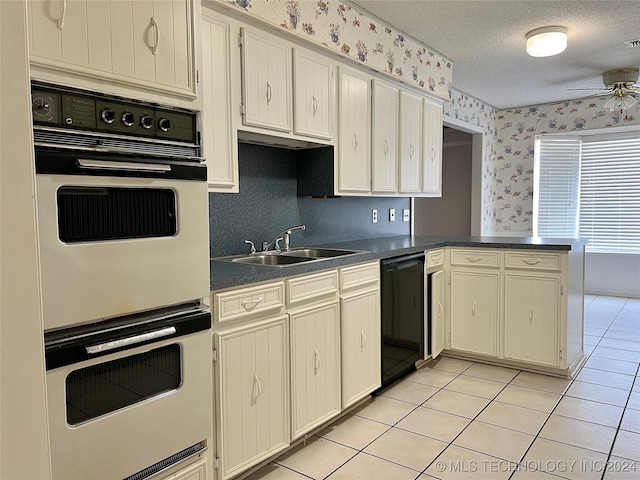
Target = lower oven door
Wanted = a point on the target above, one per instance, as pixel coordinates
(119, 236)
(144, 398)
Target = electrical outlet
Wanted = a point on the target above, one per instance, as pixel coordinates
(406, 215)
(374, 216)
(392, 214)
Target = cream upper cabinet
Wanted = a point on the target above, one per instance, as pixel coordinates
(315, 366)
(313, 95)
(252, 393)
(384, 138)
(410, 145)
(432, 148)
(145, 43)
(354, 130)
(219, 139)
(266, 80)
(437, 314)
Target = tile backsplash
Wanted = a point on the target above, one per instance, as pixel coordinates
(268, 203)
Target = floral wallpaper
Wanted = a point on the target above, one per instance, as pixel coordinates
(510, 202)
(340, 27)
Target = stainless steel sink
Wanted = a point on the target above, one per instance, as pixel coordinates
(318, 253)
(291, 257)
(271, 260)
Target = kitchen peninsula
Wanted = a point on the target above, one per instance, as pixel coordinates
(305, 339)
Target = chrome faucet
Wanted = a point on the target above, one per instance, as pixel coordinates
(284, 235)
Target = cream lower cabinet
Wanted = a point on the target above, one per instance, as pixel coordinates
(360, 331)
(252, 373)
(315, 366)
(437, 313)
(532, 318)
(195, 471)
(475, 310)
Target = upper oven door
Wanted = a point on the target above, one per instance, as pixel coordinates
(119, 236)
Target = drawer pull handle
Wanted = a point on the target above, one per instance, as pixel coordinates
(127, 342)
(317, 361)
(386, 146)
(473, 310)
(251, 304)
(440, 309)
(433, 154)
(363, 340)
(531, 316)
(315, 106)
(355, 141)
(257, 388)
(532, 262)
(411, 151)
(473, 259)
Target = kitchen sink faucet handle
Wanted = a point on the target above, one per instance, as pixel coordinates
(253, 247)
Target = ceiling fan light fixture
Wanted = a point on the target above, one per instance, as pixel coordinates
(546, 41)
(620, 101)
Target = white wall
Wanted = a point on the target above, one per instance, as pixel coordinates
(23, 417)
(612, 274)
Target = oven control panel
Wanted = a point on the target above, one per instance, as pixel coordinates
(88, 111)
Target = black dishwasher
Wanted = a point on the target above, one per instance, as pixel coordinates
(402, 304)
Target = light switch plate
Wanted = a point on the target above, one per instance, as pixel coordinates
(392, 214)
(374, 216)
(406, 215)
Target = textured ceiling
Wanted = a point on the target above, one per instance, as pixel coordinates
(486, 41)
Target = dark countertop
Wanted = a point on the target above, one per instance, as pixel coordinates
(227, 274)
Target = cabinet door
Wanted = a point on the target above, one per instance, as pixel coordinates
(432, 148)
(315, 367)
(266, 81)
(218, 138)
(474, 310)
(532, 317)
(196, 471)
(360, 339)
(354, 124)
(437, 314)
(313, 95)
(410, 148)
(146, 43)
(252, 393)
(76, 34)
(384, 138)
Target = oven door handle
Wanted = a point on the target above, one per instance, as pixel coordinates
(125, 342)
(122, 166)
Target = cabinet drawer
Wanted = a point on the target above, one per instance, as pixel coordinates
(247, 301)
(359, 275)
(533, 261)
(486, 258)
(312, 287)
(435, 258)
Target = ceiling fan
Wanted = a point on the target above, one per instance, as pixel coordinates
(621, 84)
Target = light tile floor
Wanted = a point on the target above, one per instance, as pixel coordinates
(462, 420)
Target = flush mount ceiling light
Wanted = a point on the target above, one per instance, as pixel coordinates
(546, 41)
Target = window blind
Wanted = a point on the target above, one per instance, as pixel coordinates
(610, 193)
(557, 186)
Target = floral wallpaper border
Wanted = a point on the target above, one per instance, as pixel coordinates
(340, 27)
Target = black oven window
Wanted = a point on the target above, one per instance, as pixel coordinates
(100, 389)
(90, 214)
